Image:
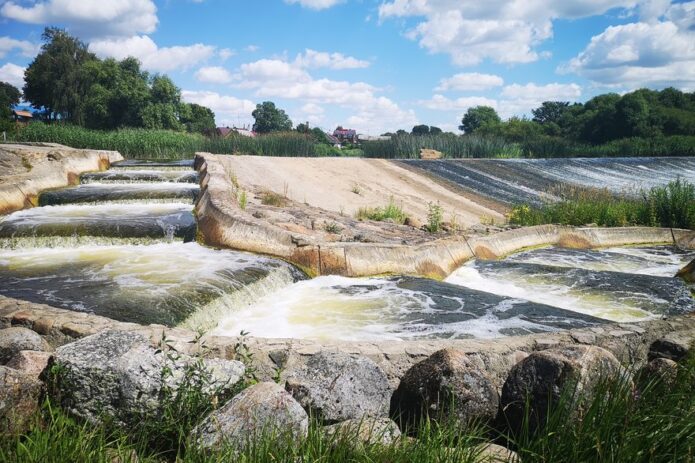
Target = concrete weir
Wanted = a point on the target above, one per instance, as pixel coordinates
(221, 222)
(30, 169)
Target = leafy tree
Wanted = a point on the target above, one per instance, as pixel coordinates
(54, 79)
(478, 117)
(435, 130)
(9, 96)
(270, 119)
(401, 132)
(197, 118)
(302, 128)
(632, 116)
(550, 112)
(421, 130)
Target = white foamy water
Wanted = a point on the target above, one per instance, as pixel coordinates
(70, 212)
(371, 309)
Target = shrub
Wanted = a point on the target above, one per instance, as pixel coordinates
(270, 198)
(391, 211)
(434, 217)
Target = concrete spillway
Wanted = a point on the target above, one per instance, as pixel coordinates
(513, 181)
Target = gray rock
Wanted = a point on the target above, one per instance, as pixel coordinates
(336, 387)
(542, 377)
(367, 431)
(121, 375)
(262, 409)
(665, 370)
(31, 362)
(446, 385)
(17, 338)
(675, 347)
(493, 453)
(19, 400)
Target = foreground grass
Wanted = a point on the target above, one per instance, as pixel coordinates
(672, 205)
(646, 421)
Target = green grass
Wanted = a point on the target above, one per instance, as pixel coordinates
(389, 212)
(452, 146)
(644, 421)
(166, 144)
(672, 205)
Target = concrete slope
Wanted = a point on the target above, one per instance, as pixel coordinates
(330, 184)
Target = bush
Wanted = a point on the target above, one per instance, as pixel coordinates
(390, 211)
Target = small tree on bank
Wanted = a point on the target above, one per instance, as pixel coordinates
(270, 118)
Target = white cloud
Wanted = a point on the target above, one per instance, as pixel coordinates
(312, 113)
(228, 109)
(276, 78)
(515, 99)
(153, 58)
(226, 53)
(12, 74)
(442, 103)
(315, 4)
(656, 53)
(27, 48)
(213, 75)
(317, 59)
(501, 30)
(88, 18)
(472, 81)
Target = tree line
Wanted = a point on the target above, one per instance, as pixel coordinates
(69, 83)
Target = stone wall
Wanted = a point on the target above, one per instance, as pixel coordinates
(221, 222)
(27, 170)
(628, 341)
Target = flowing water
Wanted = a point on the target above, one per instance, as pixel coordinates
(121, 245)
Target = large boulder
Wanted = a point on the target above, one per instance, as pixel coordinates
(262, 409)
(335, 387)
(17, 338)
(30, 361)
(366, 431)
(541, 378)
(446, 385)
(120, 375)
(20, 394)
(688, 272)
(675, 346)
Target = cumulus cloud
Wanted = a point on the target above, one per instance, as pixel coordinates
(503, 31)
(316, 59)
(312, 113)
(515, 99)
(654, 53)
(213, 75)
(88, 18)
(277, 78)
(315, 4)
(152, 57)
(226, 108)
(26, 48)
(226, 53)
(472, 81)
(12, 74)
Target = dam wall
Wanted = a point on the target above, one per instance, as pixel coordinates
(222, 222)
(27, 170)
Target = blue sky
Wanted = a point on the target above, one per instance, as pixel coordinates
(375, 65)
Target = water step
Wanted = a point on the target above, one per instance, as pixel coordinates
(104, 192)
(154, 221)
(141, 175)
(154, 163)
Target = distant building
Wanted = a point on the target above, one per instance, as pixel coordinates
(345, 135)
(225, 132)
(21, 116)
(334, 140)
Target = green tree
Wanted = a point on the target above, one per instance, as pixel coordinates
(302, 127)
(478, 117)
(435, 130)
(9, 96)
(550, 112)
(270, 119)
(54, 79)
(164, 110)
(421, 130)
(197, 118)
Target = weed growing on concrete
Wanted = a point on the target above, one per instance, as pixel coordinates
(243, 200)
(356, 189)
(434, 217)
(390, 212)
(270, 198)
(332, 227)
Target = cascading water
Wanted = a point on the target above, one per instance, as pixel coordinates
(120, 245)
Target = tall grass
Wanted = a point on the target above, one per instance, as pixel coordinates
(672, 205)
(165, 144)
(452, 146)
(391, 211)
(650, 420)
